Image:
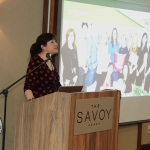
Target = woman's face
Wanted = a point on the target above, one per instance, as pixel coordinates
(144, 39)
(71, 38)
(51, 47)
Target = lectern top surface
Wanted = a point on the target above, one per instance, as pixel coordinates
(70, 89)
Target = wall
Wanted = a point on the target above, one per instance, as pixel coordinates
(20, 24)
(145, 135)
(127, 137)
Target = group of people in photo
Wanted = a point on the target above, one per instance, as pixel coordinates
(103, 60)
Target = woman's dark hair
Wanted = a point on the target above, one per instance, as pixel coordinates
(144, 34)
(112, 40)
(41, 40)
(84, 23)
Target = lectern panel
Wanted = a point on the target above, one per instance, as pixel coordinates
(103, 140)
(47, 123)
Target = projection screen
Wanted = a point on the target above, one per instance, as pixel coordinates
(106, 45)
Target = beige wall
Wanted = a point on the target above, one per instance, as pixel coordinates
(145, 135)
(20, 24)
(127, 138)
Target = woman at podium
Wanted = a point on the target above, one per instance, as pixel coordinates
(45, 78)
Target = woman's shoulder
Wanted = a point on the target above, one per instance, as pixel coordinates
(64, 47)
(36, 59)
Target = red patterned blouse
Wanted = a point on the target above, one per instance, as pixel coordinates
(42, 81)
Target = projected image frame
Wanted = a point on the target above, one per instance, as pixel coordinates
(128, 115)
(122, 70)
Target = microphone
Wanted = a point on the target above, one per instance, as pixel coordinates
(48, 55)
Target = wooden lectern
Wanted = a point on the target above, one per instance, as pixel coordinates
(47, 123)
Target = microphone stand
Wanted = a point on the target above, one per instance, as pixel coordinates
(5, 93)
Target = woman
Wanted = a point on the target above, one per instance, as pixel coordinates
(120, 59)
(142, 53)
(70, 59)
(113, 46)
(45, 79)
(132, 65)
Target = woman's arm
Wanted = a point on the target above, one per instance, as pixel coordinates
(31, 78)
(148, 71)
(144, 62)
(132, 68)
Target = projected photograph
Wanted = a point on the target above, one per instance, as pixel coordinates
(105, 48)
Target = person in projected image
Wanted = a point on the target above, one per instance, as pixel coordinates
(70, 59)
(113, 46)
(45, 79)
(103, 60)
(119, 66)
(142, 53)
(82, 49)
(92, 48)
(147, 73)
(131, 66)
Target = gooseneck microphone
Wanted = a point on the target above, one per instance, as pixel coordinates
(48, 55)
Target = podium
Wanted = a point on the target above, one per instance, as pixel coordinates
(47, 123)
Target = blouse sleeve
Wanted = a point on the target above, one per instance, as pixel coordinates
(30, 79)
